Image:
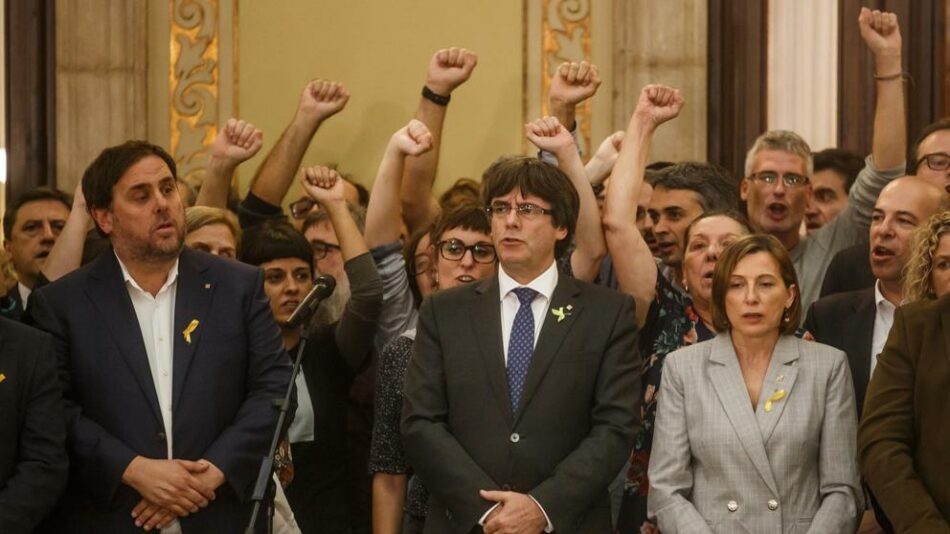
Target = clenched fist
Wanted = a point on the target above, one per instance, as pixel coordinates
(323, 184)
(321, 99)
(549, 135)
(450, 68)
(574, 83)
(658, 104)
(412, 139)
(237, 142)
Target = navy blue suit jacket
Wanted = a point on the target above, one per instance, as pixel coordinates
(224, 383)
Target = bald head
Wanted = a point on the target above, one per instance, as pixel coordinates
(902, 206)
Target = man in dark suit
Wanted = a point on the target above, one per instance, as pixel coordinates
(858, 322)
(849, 270)
(169, 359)
(33, 461)
(521, 395)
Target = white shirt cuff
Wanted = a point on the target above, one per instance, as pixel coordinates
(481, 522)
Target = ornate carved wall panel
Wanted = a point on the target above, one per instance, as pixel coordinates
(201, 80)
(568, 30)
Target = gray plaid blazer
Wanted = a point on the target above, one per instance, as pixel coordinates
(788, 466)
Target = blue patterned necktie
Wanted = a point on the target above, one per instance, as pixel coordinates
(520, 345)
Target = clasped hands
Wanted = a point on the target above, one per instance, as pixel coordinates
(170, 488)
(514, 513)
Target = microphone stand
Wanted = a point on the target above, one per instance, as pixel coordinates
(264, 487)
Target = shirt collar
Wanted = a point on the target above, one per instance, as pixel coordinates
(879, 298)
(543, 284)
(172, 276)
(24, 293)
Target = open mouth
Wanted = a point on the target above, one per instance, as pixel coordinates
(43, 254)
(465, 279)
(753, 316)
(880, 253)
(777, 210)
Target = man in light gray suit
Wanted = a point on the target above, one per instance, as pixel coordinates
(515, 428)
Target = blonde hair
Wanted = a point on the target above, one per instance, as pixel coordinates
(199, 216)
(918, 282)
(785, 141)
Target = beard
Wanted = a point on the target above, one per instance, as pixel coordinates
(145, 250)
(331, 309)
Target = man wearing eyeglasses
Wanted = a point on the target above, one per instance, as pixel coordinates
(778, 167)
(932, 154)
(521, 394)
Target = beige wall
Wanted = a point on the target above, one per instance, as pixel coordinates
(379, 50)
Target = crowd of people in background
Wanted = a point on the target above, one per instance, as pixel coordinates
(616, 345)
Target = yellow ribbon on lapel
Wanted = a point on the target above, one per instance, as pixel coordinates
(777, 396)
(192, 326)
(2, 377)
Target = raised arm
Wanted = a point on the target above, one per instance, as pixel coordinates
(236, 143)
(448, 69)
(549, 135)
(66, 254)
(319, 101)
(325, 185)
(633, 262)
(601, 164)
(881, 33)
(571, 85)
(411, 142)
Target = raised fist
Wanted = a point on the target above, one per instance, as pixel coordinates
(413, 139)
(450, 68)
(609, 149)
(321, 99)
(547, 134)
(237, 142)
(323, 184)
(658, 104)
(880, 31)
(574, 83)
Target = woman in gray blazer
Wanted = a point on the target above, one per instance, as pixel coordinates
(755, 429)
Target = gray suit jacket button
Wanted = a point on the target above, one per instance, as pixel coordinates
(773, 504)
(732, 506)
(515, 438)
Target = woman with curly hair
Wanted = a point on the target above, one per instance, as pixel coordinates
(927, 275)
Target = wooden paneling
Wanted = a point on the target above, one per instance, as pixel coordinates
(737, 79)
(30, 95)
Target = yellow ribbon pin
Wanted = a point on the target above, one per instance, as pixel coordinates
(777, 396)
(2, 377)
(192, 326)
(559, 313)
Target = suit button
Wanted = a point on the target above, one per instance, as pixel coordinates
(448, 515)
(160, 436)
(515, 438)
(732, 506)
(773, 505)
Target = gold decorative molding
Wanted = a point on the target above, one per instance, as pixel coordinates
(193, 84)
(565, 35)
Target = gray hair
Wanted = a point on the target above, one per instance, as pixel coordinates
(785, 141)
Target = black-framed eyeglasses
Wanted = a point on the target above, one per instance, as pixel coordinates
(455, 249)
(525, 210)
(300, 208)
(790, 179)
(322, 248)
(938, 161)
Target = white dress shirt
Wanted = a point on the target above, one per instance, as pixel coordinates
(24, 293)
(156, 317)
(544, 285)
(883, 320)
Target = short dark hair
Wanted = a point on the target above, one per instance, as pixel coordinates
(715, 187)
(111, 164)
(735, 215)
(358, 213)
(467, 216)
(726, 265)
(842, 161)
(273, 240)
(33, 195)
(532, 176)
(362, 194)
(464, 190)
(941, 124)
(409, 256)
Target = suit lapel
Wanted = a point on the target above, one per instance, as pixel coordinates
(192, 300)
(780, 376)
(110, 297)
(487, 323)
(730, 387)
(554, 329)
(861, 330)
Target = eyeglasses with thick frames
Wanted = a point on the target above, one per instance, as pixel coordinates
(938, 161)
(790, 179)
(524, 210)
(455, 249)
(322, 248)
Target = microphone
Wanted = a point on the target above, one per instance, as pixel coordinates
(323, 287)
